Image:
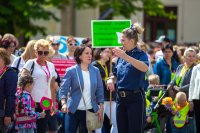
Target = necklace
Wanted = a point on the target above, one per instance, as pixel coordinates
(46, 72)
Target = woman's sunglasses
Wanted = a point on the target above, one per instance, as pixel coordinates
(74, 44)
(45, 53)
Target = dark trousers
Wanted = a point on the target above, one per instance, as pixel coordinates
(3, 129)
(48, 123)
(131, 113)
(78, 121)
(197, 114)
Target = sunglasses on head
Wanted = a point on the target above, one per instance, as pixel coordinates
(45, 53)
(72, 44)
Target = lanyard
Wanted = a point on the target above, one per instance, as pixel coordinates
(105, 70)
(2, 71)
(46, 72)
(183, 71)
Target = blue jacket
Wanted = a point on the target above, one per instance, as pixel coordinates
(70, 85)
(8, 85)
(162, 69)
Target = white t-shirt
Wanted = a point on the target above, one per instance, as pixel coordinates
(21, 64)
(12, 58)
(158, 55)
(86, 92)
(41, 87)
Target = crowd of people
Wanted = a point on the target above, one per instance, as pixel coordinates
(116, 83)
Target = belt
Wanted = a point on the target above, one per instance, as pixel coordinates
(126, 93)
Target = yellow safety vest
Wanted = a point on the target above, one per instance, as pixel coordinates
(181, 116)
(148, 110)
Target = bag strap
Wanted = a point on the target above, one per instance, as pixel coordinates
(18, 62)
(32, 68)
(81, 89)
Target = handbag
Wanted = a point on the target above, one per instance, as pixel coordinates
(92, 121)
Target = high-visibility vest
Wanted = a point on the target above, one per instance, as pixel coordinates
(181, 116)
(148, 111)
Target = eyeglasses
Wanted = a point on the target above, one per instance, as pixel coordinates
(72, 44)
(12, 46)
(45, 53)
(54, 44)
(122, 40)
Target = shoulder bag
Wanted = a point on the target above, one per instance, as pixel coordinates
(92, 121)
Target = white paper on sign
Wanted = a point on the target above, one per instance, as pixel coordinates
(119, 36)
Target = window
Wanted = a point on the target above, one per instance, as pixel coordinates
(157, 26)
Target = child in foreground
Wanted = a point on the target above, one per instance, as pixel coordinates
(25, 110)
(179, 108)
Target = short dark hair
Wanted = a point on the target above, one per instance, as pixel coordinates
(78, 52)
(7, 39)
(166, 40)
(168, 46)
(86, 40)
(4, 55)
(98, 52)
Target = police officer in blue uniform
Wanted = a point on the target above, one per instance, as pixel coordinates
(129, 75)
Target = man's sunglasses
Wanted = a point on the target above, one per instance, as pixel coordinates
(45, 53)
(54, 44)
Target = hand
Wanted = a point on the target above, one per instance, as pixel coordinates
(191, 106)
(100, 114)
(155, 99)
(148, 119)
(64, 108)
(7, 121)
(119, 53)
(53, 110)
(42, 114)
(176, 88)
(110, 85)
(169, 87)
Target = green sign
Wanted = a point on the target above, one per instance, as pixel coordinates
(106, 33)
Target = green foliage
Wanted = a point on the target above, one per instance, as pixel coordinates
(128, 7)
(156, 8)
(16, 15)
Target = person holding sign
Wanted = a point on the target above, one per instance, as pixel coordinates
(25, 106)
(129, 74)
(86, 95)
(102, 62)
(43, 73)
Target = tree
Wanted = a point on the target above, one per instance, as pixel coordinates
(17, 16)
(128, 7)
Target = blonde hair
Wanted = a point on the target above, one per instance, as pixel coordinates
(154, 79)
(143, 44)
(4, 55)
(51, 52)
(41, 43)
(29, 52)
(180, 97)
(133, 31)
(188, 50)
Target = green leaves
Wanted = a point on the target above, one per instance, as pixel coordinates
(16, 15)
